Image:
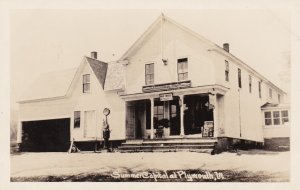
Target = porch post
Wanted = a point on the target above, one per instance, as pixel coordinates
(215, 112)
(181, 115)
(152, 118)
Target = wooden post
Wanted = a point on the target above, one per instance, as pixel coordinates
(215, 115)
(181, 97)
(152, 118)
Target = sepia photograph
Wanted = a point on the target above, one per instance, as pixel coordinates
(150, 95)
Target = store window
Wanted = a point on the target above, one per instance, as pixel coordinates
(158, 113)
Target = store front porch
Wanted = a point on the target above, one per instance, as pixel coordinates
(178, 114)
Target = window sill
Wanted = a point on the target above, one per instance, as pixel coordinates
(275, 126)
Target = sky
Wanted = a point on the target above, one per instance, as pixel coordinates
(49, 40)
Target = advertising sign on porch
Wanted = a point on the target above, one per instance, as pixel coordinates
(212, 101)
(166, 97)
(208, 129)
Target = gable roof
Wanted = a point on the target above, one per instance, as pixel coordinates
(158, 23)
(58, 84)
(211, 47)
(49, 85)
(99, 68)
(115, 77)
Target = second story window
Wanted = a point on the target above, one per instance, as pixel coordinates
(86, 83)
(240, 78)
(279, 99)
(270, 93)
(259, 89)
(226, 70)
(182, 69)
(149, 73)
(250, 84)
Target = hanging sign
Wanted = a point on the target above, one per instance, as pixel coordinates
(167, 86)
(166, 97)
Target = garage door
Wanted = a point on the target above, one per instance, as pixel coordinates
(46, 135)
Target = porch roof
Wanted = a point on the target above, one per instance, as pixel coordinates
(271, 106)
(209, 89)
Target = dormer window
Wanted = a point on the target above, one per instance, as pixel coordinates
(182, 69)
(86, 83)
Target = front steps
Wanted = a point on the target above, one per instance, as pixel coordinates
(202, 145)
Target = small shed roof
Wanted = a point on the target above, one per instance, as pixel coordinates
(268, 106)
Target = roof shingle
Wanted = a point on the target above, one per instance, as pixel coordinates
(99, 68)
(114, 77)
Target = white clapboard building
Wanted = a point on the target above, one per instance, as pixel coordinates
(172, 88)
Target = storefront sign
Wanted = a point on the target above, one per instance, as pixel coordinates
(167, 86)
(208, 129)
(166, 97)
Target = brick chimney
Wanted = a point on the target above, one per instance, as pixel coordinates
(226, 47)
(94, 54)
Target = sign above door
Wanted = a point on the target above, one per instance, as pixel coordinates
(166, 97)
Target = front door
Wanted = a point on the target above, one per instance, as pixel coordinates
(174, 117)
(130, 122)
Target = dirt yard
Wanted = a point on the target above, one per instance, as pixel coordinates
(255, 165)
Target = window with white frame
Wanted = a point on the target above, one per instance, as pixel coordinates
(268, 118)
(226, 70)
(86, 83)
(284, 116)
(276, 117)
(182, 69)
(149, 73)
